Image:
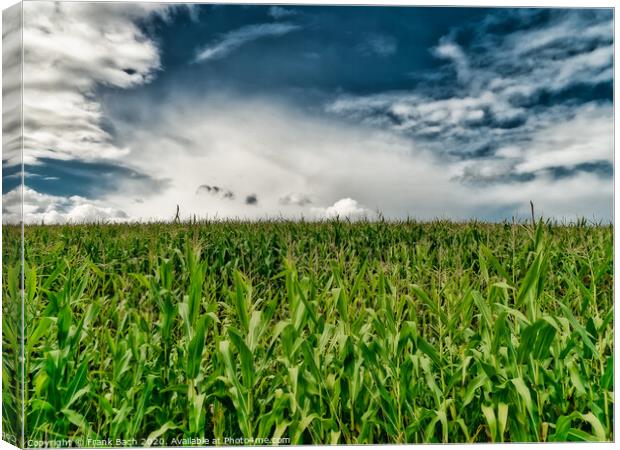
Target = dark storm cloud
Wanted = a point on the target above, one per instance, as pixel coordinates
(215, 190)
(207, 188)
(251, 199)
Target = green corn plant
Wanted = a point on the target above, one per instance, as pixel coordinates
(330, 332)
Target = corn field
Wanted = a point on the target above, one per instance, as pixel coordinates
(301, 333)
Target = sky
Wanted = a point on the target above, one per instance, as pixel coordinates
(256, 112)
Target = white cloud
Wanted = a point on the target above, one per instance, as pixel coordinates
(11, 85)
(453, 52)
(572, 49)
(51, 209)
(70, 49)
(501, 78)
(564, 138)
(449, 119)
(343, 208)
(283, 150)
(525, 42)
(236, 38)
(582, 195)
(281, 153)
(585, 137)
(585, 67)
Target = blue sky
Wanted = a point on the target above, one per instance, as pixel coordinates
(265, 111)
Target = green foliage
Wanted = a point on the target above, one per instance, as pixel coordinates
(330, 332)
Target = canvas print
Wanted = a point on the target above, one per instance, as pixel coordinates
(297, 224)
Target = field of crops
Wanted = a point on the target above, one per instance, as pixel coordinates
(335, 332)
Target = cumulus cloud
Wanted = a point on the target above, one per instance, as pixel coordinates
(343, 208)
(50, 209)
(236, 38)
